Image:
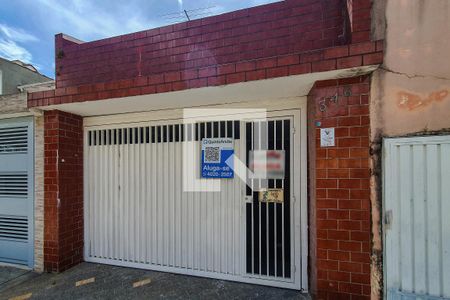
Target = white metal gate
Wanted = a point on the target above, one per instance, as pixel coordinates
(416, 214)
(16, 191)
(137, 213)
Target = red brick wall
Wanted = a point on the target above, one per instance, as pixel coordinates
(341, 57)
(341, 266)
(63, 184)
(265, 31)
(286, 38)
(359, 13)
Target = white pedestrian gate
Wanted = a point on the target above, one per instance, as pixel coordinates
(137, 213)
(417, 217)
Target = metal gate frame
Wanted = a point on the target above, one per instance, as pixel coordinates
(27, 121)
(299, 231)
(298, 213)
(389, 216)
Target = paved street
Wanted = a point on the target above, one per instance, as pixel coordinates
(97, 281)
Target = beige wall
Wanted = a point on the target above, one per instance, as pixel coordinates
(12, 104)
(39, 193)
(411, 93)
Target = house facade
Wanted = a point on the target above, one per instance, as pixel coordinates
(325, 89)
(16, 73)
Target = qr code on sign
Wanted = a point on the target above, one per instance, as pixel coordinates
(212, 155)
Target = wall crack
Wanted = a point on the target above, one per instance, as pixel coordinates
(412, 76)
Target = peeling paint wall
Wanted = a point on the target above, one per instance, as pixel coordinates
(413, 93)
(410, 92)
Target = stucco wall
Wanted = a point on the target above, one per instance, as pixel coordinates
(411, 93)
(14, 75)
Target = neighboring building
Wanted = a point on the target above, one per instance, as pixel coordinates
(16, 73)
(410, 145)
(21, 166)
(330, 88)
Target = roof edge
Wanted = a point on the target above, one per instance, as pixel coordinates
(69, 38)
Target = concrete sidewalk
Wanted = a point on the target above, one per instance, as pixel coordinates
(10, 274)
(97, 281)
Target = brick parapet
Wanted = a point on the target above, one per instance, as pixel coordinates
(280, 39)
(342, 57)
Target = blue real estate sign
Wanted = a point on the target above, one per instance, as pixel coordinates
(215, 153)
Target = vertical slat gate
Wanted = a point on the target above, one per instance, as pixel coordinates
(417, 228)
(138, 211)
(139, 214)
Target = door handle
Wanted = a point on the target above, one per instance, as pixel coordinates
(248, 199)
(388, 219)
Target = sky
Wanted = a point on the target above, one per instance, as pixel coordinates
(28, 27)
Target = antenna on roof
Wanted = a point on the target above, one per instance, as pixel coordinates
(189, 14)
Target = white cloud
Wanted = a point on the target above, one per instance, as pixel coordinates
(11, 50)
(86, 21)
(16, 34)
(11, 40)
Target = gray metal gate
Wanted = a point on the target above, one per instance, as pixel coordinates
(16, 191)
(417, 225)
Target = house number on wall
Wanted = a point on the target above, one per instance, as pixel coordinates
(323, 104)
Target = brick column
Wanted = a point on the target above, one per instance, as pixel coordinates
(63, 184)
(340, 182)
